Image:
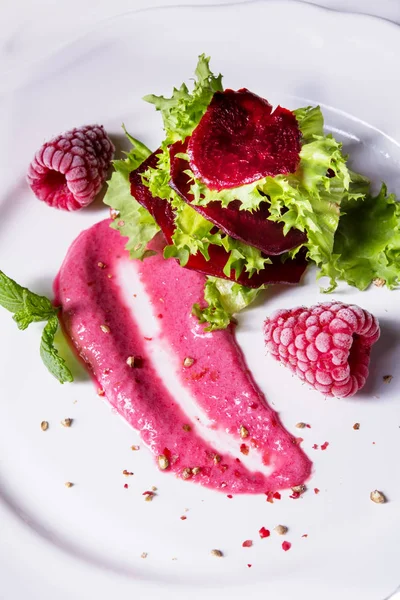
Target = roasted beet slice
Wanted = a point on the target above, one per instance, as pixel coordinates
(253, 228)
(278, 272)
(239, 140)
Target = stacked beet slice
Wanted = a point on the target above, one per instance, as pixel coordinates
(239, 140)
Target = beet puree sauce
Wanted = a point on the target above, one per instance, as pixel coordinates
(100, 318)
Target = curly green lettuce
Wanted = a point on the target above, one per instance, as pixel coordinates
(367, 243)
(134, 221)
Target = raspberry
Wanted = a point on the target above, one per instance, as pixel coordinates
(68, 171)
(327, 345)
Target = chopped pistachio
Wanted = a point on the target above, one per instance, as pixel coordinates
(163, 462)
(186, 427)
(215, 552)
(101, 265)
(186, 473)
(243, 431)
(281, 529)
(68, 484)
(377, 497)
(300, 425)
(188, 361)
(66, 422)
(105, 328)
(299, 489)
(216, 459)
(356, 426)
(196, 470)
(44, 425)
(387, 378)
(130, 361)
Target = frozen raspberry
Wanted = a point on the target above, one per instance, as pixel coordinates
(327, 345)
(69, 170)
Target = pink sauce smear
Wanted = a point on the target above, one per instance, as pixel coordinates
(218, 380)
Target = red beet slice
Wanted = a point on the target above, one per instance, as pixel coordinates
(253, 228)
(277, 272)
(240, 140)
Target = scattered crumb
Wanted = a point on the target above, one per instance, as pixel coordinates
(243, 431)
(153, 488)
(188, 361)
(281, 529)
(148, 495)
(144, 555)
(356, 426)
(68, 484)
(316, 491)
(247, 544)
(134, 448)
(377, 497)
(183, 518)
(286, 546)
(379, 282)
(186, 427)
(44, 425)
(127, 473)
(305, 535)
(299, 489)
(186, 473)
(105, 328)
(163, 462)
(130, 361)
(315, 447)
(244, 449)
(387, 378)
(66, 422)
(216, 553)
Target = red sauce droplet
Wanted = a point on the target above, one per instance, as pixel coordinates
(295, 495)
(316, 491)
(126, 486)
(305, 535)
(286, 546)
(229, 496)
(183, 518)
(324, 446)
(148, 339)
(277, 496)
(160, 316)
(247, 544)
(308, 425)
(253, 405)
(264, 532)
(249, 566)
(315, 447)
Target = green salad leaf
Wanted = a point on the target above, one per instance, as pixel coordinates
(367, 243)
(133, 221)
(28, 308)
(224, 299)
(182, 112)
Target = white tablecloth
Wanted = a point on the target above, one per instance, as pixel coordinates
(33, 29)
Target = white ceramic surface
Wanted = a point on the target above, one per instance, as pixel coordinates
(87, 541)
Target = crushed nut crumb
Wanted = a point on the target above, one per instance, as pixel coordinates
(163, 462)
(216, 459)
(387, 378)
(196, 470)
(188, 361)
(379, 282)
(68, 484)
(215, 552)
(127, 473)
(135, 448)
(186, 427)
(148, 496)
(243, 432)
(105, 328)
(101, 265)
(356, 426)
(130, 361)
(153, 487)
(300, 425)
(377, 497)
(299, 489)
(44, 425)
(281, 529)
(144, 555)
(66, 422)
(186, 473)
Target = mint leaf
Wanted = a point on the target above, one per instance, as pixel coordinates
(28, 308)
(49, 353)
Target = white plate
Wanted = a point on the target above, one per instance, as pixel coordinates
(86, 542)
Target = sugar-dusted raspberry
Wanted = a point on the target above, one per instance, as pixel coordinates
(68, 171)
(327, 345)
